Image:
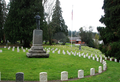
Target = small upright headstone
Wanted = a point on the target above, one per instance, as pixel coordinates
(91, 55)
(19, 77)
(104, 66)
(0, 51)
(79, 55)
(105, 58)
(84, 56)
(43, 77)
(119, 61)
(23, 50)
(97, 59)
(115, 60)
(12, 49)
(80, 74)
(4, 46)
(88, 57)
(110, 59)
(100, 69)
(64, 76)
(92, 71)
(93, 58)
(18, 50)
(101, 60)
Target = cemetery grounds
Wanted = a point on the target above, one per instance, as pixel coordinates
(60, 60)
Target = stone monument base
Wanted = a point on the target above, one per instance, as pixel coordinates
(37, 52)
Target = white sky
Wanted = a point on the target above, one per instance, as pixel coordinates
(85, 13)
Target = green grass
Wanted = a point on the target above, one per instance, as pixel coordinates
(111, 75)
(12, 62)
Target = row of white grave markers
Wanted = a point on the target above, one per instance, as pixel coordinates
(64, 74)
(84, 56)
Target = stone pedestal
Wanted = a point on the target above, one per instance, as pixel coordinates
(37, 48)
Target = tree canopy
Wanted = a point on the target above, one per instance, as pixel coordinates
(57, 25)
(20, 21)
(110, 33)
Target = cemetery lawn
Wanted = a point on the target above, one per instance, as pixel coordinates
(12, 62)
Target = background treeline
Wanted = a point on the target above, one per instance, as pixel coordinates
(20, 23)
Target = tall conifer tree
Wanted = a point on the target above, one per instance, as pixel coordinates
(111, 33)
(57, 24)
(20, 20)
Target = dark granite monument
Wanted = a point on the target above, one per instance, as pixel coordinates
(37, 48)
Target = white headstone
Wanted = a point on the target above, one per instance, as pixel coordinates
(53, 51)
(110, 59)
(101, 60)
(88, 57)
(100, 69)
(4, 46)
(13, 46)
(23, 50)
(105, 58)
(0, 51)
(115, 60)
(104, 66)
(97, 59)
(43, 77)
(84, 56)
(91, 55)
(79, 55)
(26, 48)
(92, 71)
(64, 76)
(12, 49)
(18, 50)
(119, 61)
(58, 51)
(93, 58)
(80, 74)
(21, 47)
(48, 51)
(104, 62)
(17, 47)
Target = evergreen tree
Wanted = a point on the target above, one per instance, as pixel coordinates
(86, 36)
(58, 23)
(110, 33)
(2, 19)
(20, 20)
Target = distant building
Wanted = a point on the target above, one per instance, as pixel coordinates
(76, 40)
(48, 8)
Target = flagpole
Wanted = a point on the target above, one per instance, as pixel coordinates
(71, 26)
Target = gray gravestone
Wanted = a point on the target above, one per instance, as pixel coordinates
(19, 77)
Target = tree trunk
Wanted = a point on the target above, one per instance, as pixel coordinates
(4, 38)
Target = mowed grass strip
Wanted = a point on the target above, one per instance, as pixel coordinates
(12, 62)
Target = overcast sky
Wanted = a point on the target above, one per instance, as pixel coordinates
(85, 13)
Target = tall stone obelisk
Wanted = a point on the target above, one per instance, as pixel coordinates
(37, 48)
